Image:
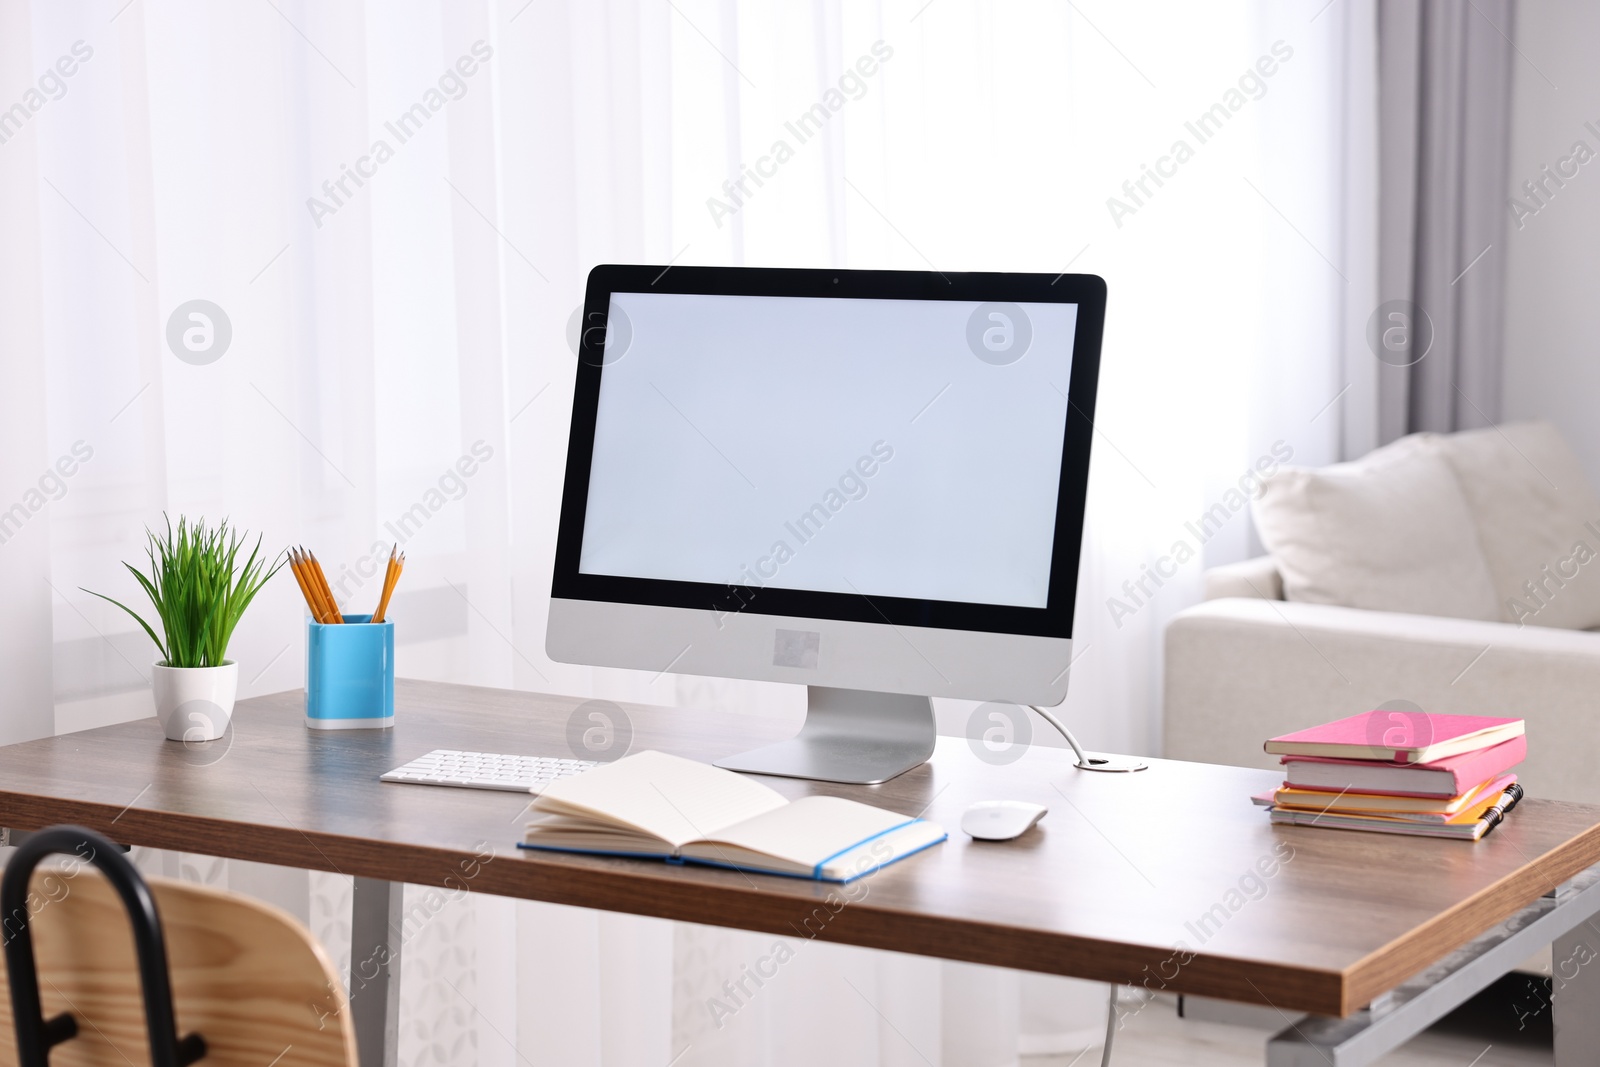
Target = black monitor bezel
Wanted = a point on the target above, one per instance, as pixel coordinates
(1054, 620)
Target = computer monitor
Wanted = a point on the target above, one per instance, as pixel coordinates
(870, 483)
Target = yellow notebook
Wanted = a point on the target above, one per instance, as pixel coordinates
(1429, 809)
(1468, 825)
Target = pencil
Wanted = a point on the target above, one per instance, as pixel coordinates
(305, 590)
(305, 584)
(324, 610)
(334, 615)
(388, 588)
(390, 579)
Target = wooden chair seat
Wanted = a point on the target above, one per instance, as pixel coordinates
(246, 976)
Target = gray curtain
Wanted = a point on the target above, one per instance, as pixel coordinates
(1444, 99)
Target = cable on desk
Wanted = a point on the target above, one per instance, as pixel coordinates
(1111, 1026)
(1050, 718)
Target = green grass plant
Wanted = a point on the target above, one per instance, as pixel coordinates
(198, 588)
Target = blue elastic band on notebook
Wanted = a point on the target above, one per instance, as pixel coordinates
(816, 872)
(727, 866)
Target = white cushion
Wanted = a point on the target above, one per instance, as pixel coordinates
(1389, 532)
(1538, 521)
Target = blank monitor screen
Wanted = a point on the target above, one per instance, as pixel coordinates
(899, 448)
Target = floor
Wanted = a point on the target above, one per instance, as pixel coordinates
(1157, 1037)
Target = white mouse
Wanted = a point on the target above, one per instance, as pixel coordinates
(1001, 820)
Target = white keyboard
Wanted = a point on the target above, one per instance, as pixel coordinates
(486, 770)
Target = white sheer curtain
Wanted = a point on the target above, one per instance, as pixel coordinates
(395, 205)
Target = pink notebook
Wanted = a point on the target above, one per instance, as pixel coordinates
(1448, 777)
(1397, 736)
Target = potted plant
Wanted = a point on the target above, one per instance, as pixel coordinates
(199, 591)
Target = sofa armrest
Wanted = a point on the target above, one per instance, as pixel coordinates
(1239, 671)
(1258, 578)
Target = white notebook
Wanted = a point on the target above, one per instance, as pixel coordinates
(666, 807)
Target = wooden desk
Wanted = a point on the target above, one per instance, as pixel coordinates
(1169, 878)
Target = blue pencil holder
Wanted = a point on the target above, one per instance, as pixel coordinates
(350, 674)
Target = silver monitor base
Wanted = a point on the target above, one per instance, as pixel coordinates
(849, 736)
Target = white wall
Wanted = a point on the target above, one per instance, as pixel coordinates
(1552, 351)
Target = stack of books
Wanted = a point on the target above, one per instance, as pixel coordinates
(1400, 773)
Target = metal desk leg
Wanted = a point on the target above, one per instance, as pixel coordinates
(375, 922)
(1562, 919)
(1575, 994)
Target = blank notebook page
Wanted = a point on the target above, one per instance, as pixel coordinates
(669, 797)
(811, 829)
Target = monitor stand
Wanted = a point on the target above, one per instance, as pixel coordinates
(850, 736)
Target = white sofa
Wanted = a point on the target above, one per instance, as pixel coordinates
(1312, 633)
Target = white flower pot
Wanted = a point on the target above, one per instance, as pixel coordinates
(194, 703)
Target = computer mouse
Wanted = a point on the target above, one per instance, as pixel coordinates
(1000, 820)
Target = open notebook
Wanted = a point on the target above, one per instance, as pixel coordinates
(666, 807)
